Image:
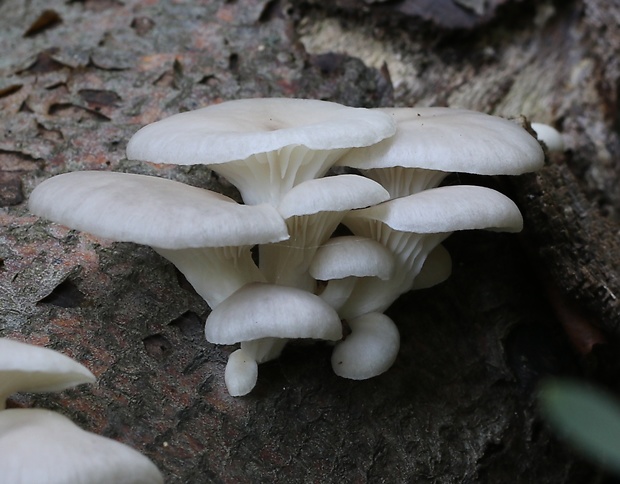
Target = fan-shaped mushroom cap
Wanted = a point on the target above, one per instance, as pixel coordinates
(338, 193)
(41, 446)
(432, 142)
(369, 350)
(263, 146)
(445, 209)
(261, 310)
(235, 130)
(206, 235)
(448, 140)
(342, 260)
(28, 368)
(153, 211)
(351, 255)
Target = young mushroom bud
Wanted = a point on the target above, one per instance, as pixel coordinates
(369, 350)
(28, 368)
(263, 317)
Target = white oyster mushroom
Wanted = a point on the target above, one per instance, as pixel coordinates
(312, 210)
(550, 136)
(432, 142)
(207, 235)
(29, 368)
(411, 227)
(263, 146)
(263, 317)
(342, 260)
(44, 447)
(370, 349)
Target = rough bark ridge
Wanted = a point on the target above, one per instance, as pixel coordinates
(78, 78)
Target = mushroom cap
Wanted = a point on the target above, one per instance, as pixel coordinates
(153, 211)
(260, 310)
(235, 130)
(29, 368)
(445, 209)
(331, 194)
(451, 140)
(41, 446)
(370, 349)
(351, 255)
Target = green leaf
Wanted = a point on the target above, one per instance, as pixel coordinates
(586, 417)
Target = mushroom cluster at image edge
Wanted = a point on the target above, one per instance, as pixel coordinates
(42, 446)
(304, 168)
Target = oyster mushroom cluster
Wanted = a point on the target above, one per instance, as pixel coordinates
(306, 281)
(42, 446)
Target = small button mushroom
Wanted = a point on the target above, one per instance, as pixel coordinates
(207, 235)
(411, 227)
(41, 446)
(263, 317)
(262, 146)
(312, 210)
(370, 349)
(550, 136)
(342, 260)
(432, 142)
(28, 368)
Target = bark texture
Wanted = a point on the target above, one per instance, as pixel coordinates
(78, 78)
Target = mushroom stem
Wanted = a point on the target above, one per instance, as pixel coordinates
(241, 372)
(401, 182)
(264, 349)
(410, 250)
(286, 263)
(337, 291)
(267, 177)
(215, 272)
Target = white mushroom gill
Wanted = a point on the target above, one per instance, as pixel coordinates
(215, 272)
